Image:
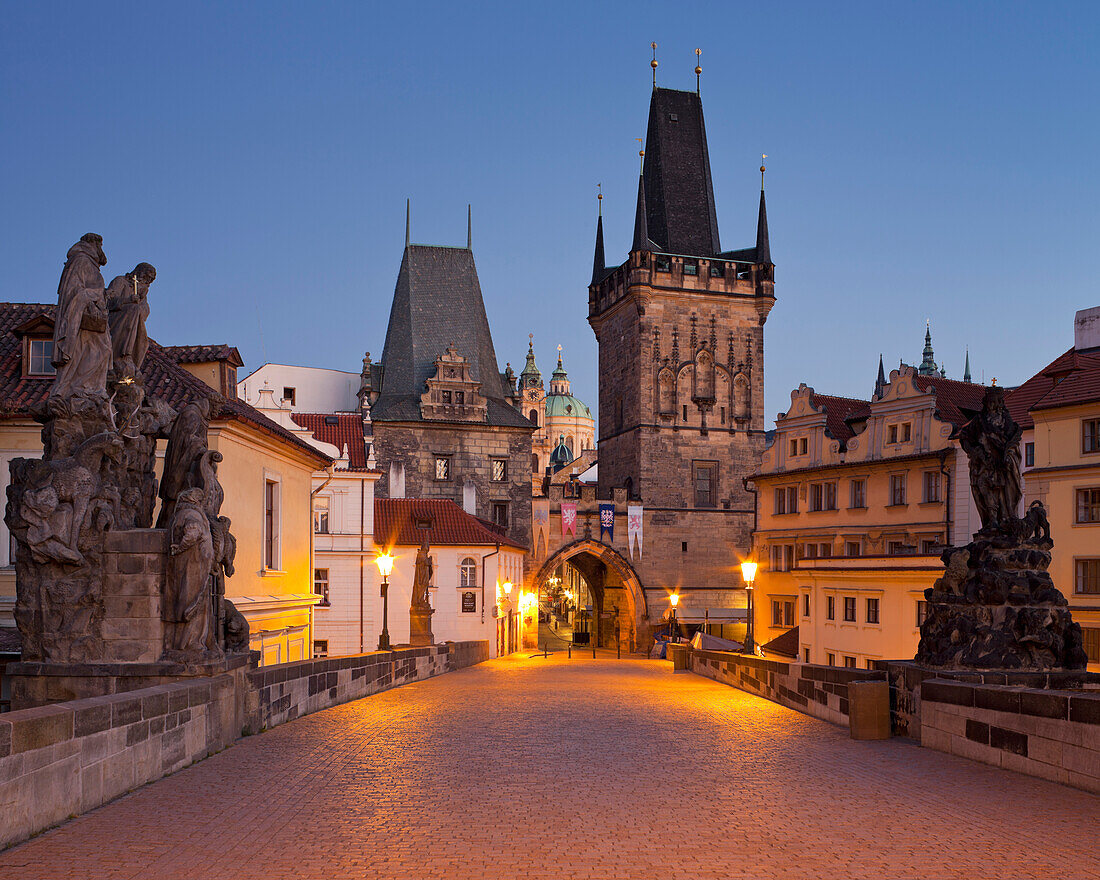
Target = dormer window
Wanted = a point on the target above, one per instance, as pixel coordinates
(39, 357)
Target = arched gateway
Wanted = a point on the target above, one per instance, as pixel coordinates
(614, 585)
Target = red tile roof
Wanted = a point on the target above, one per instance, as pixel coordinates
(953, 398)
(339, 429)
(203, 354)
(395, 523)
(837, 412)
(1071, 378)
(784, 643)
(163, 379)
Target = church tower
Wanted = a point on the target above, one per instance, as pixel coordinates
(680, 329)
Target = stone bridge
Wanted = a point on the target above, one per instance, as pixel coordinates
(530, 768)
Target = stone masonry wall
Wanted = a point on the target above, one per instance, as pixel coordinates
(133, 576)
(61, 760)
(1054, 735)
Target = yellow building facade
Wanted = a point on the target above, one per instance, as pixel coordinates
(855, 501)
(1059, 410)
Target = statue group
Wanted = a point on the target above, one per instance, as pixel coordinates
(97, 474)
(996, 606)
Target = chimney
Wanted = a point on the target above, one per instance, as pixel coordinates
(1086, 329)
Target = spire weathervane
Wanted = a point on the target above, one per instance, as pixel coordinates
(641, 155)
(653, 63)
(698, 69)
(599, 198)
(763, 156)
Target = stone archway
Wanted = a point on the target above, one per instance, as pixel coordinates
(610, 574)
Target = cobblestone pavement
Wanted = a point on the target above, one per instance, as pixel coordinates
(532, 768)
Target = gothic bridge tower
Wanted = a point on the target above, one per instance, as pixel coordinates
(680, 329)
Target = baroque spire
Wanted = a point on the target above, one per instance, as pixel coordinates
(599, 266)
(928, 362)
(880, 382)
(966, 369)
(763, 246)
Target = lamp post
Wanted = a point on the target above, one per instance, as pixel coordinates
(748, 572)
(673, 631)
(385, 565)
(507, 588)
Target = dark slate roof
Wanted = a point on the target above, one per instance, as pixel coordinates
(395, 521)
(1071, 378)
(164, 379)
(679, 195)
(954, 399)
(436, 303)
(203, 354)
(785, 644)
(339, 429)
(838, 412)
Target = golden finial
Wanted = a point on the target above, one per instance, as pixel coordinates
(653, 63)
(763, 156)
(599, 197)
(641, 155)
(698, 69)
(994, 380)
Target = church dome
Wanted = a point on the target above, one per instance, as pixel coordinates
(561, 456)
(566, 406)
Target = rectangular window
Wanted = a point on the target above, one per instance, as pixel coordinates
(442, 467)
(717, 270)
(931, 486)
(830, 659)
(290, 395)
(40, 357)
(809, 551)
(892, 433)
(828, 498)
(794, 447)
(445, 397)
(850, 662)
(792, 499)
(271, 524)
(663, 264)
(691, 267)
(685, 412)
(805, 655)
(825, 551)
(896, 548)
(722, 410)
(320, 648)
(500, 470)
(320, 584)
(906, 432)
(930, 547)
(872, 610)
(850, 608)
(852, 548)
(1090, 435)
(805, 604)
(830, 608)
(1029, 455)
(858, 494)
(1088, 576)
(922, 611)
(870, 664)
(320, 514)
(1088, 505)
(816, 496)
(780, 501)
(897, 489)
(782, 612)
(706, 483)
(803, 445)
(1091, 637)
(500, 514)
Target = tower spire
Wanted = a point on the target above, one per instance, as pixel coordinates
(763, 246)
(641, 230)
(880, 382)
(407, 222)
(598, 264)
(928, 362)
(653, 63)
(469, 227)
(966, 369)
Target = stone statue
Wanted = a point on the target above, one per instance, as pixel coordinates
(996, 606)
(991, 440)
(422, 577)
(128, 308)
(188, 607)
(81, 341)
(235, 631)
(186, 444)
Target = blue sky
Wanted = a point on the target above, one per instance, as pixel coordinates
(926, 161)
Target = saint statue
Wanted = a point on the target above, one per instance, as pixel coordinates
(422, 577)
(189, 609)
(186, 444)
(81, 341)
(128, 309)
(991, 440)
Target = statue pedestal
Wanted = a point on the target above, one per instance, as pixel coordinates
(38, 684)
(420, 627)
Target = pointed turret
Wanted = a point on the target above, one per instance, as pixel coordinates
(966, 369)
(599, 267)
(559, 381)
(928, 362)
(763, 247)
(880, 382)
(531, 377)
(641, 226)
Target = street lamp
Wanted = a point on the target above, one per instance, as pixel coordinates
(748, 572)
(675, 600)
(385, 565)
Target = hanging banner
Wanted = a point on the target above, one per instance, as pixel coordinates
(607, 522)
(569, 518)
(634, 528)
(540, 525)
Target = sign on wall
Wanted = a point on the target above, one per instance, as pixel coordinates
(469, 602)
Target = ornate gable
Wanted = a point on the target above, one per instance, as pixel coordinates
(452, 394)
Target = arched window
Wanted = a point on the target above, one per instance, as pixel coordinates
(535, 463)
(467, 572)
(569, 444)
(534, 417)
